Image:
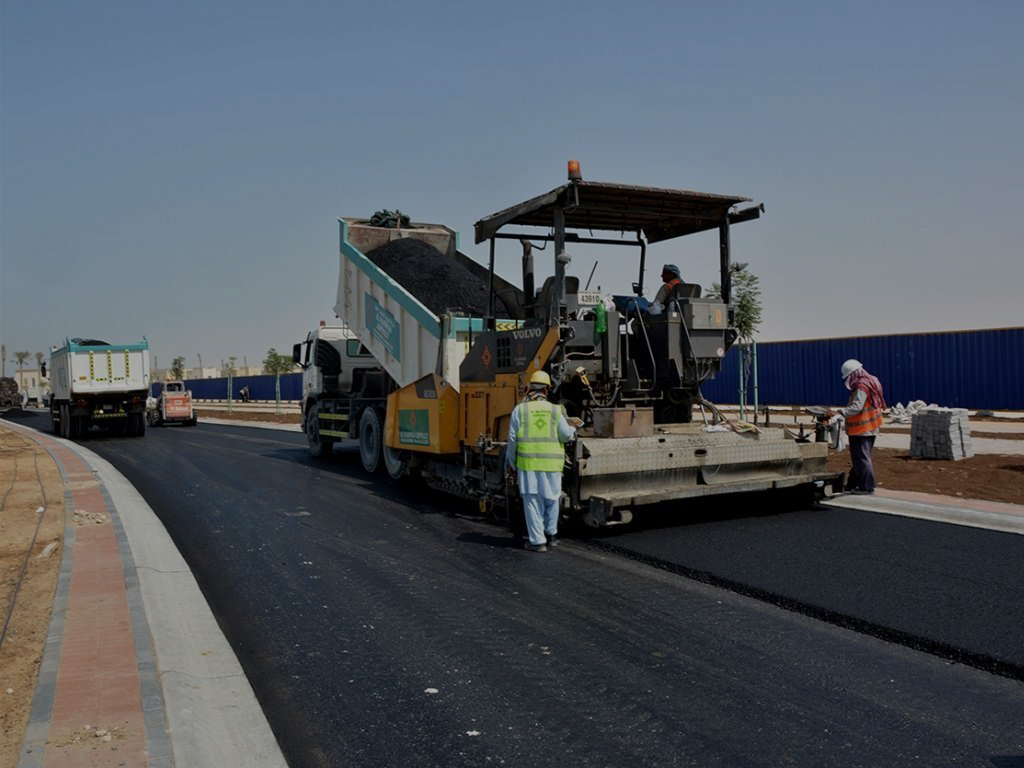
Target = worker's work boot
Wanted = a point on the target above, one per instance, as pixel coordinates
(553, 540)
(529, 547)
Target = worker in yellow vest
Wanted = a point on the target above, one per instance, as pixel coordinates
(537, 433)
(863, 416)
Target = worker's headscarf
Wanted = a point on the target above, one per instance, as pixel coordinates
(861, 379)
(536, 392)
(671, 269)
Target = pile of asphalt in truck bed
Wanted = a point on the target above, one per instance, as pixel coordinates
(439, 283)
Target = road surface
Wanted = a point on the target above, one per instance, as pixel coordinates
(384, 626)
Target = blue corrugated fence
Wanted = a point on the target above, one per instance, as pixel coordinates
(260, 387)
(956, 369)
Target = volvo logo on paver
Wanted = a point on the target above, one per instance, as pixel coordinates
(528, 333)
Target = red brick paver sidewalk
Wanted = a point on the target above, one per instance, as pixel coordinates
(97, 710)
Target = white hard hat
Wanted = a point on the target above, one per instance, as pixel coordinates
(849, 367)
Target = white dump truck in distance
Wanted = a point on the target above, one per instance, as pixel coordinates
(98, 384)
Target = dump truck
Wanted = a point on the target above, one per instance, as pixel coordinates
(171, 403)
(427, 389)
(101, 384)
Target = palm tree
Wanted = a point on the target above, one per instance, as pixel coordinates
(21, 357)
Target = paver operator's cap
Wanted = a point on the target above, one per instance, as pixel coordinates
(672, 269)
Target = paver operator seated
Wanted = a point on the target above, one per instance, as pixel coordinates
(670, 279)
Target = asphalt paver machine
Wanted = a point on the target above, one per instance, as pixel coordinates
(632, 371)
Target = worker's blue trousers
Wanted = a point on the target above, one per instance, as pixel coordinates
(541, 517)
(862, 471)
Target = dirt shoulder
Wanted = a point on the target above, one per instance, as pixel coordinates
(992, 477)
(31, 541)
(266, 417)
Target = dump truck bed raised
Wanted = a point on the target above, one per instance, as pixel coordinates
(406, 337)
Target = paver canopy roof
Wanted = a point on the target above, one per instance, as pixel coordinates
(660, 214)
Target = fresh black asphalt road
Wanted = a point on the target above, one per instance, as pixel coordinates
(382, 626)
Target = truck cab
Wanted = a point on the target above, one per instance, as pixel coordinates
(330, 358)
(340, 377)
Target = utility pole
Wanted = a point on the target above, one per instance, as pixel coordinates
(200, 364)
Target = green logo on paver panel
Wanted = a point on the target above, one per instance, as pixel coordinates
(414, 426)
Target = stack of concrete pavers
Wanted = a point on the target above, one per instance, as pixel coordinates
(941, 433)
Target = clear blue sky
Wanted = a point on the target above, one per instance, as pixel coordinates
(175, 170)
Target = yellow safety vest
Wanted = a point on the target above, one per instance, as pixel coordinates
(537, 445)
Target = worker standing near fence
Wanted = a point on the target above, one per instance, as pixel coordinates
(537, 433)
(863, 416)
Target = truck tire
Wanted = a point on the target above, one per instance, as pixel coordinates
(55, 422)
(394, 463)
(319, 445)
(135, 425)
(371, 439)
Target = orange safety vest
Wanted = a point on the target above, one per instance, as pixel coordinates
(868, 420)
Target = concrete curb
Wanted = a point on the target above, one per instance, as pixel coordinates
(212, 712)
(253, 424)
(993, 516)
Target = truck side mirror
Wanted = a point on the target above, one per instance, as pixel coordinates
(297, 354)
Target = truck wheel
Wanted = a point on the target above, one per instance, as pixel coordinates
(370, 439)
(135, 425)
(55, 422)
(394, 463)
(319, 445)
(64, 419)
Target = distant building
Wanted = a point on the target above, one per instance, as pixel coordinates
(28, 378)
(31, 382)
